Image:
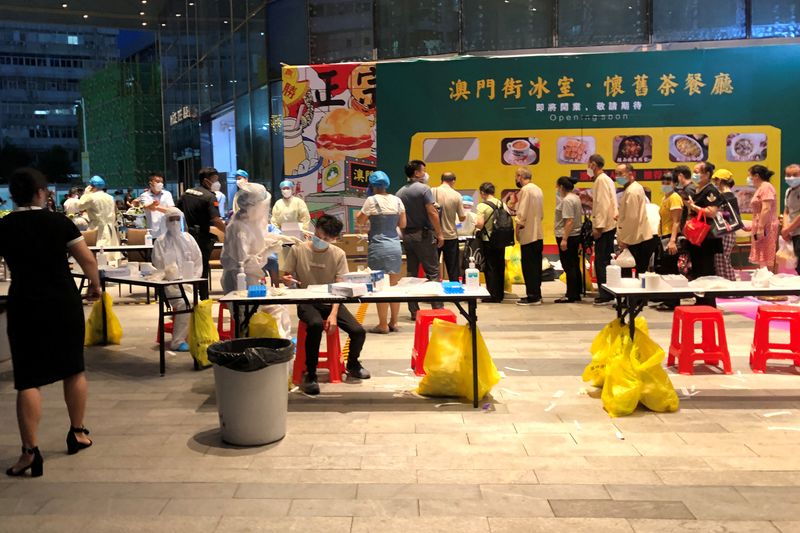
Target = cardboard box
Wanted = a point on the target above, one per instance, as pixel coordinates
(353, 245)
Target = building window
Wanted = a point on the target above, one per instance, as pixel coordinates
(776, 18)
(591, 23)
(698, 20)
(417, 28)
(72, 39)
(495, 25)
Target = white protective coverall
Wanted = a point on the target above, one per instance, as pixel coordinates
(292, 209)
(170, 251)
(101, 211)
(248, 242)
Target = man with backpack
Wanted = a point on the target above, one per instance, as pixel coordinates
(530, 212)
(492, 214)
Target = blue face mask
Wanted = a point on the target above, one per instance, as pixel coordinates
(696, 178)
(319, 244)
(621, 180)
(666, 189)
(792, 182)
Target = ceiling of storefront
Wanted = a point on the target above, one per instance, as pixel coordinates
(103, 13)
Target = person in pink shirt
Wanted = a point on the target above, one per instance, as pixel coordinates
(765, 220)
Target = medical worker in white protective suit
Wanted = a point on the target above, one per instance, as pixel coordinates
(290, 208)
(248, 243)
(101, 210)
(171, 252)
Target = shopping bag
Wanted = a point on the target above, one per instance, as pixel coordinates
(604, 346)
(202, 332)
(448, 363)
(263, 326)
(513, 274)
(786, 260)
(727, 220)
(695, 230)
(94, 325)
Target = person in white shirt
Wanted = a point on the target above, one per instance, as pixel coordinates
(633, 228)
(604, 222)
(72, 203)
(156, 201)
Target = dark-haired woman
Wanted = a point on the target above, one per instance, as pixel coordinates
(35, 243)
(765, 220)
(567, 228)
(495, 259)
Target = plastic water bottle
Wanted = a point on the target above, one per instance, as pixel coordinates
(101, 258)
(148, 239)
(473, 275)
(188, 268)
(241, 279)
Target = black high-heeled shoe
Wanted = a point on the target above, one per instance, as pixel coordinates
(73, 445)
(36, 467)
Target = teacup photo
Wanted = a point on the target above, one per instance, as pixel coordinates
(520, 148)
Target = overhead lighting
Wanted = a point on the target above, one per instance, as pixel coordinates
(163, 24)
(191, 3)
(144, 1)
(86, 16)
(224, 21)
(141, 13)
(177, 14)
(144, 24)
(65, 6)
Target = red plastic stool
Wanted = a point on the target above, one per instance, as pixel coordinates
(712, 349)
(330, 359)
(167, 329)
(763, 349)
(421, 335)
(224, 334)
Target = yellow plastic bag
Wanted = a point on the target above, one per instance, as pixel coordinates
(657, 393)
(604, 346)
(202, 332)
(93, 334)
(264, 326)
(448, 363)
(513, 273)
(622, 387)
(633, 373)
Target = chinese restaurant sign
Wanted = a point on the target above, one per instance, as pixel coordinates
(481, 117)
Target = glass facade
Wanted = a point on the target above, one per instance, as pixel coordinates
(213, 58)
(492, 25)
(698, 20)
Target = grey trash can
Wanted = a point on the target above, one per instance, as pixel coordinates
(250, 378)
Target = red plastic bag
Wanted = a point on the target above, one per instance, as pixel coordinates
(696, 229)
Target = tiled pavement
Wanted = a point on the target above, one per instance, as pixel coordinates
(366, 457)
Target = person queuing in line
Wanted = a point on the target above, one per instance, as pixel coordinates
(451, 212)
(155, 201)
(222, 202)
(384, 213)
(101, 212)
(290, 208)
(791, 212)
(765, 217)
(318, 263)
(129, 197)
(604, 223)
(707, 200)
(35, 243)
(722, 262)
(72, 203)
(494, 258)
(201, 209)
(242, 177)
(172, 250)
(633, 227)
(567, 229)
(670, 229)
(422, 236)
(530, 213)
(466, 228)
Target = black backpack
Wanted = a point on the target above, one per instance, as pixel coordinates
(502, 234)
(587, 240)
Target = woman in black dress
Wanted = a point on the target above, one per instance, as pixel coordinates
(35, 243)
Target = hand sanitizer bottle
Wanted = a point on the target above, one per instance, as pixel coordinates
(188, 268)
(473, 275)
(148, 239)
(101, 258)
(241, 279)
